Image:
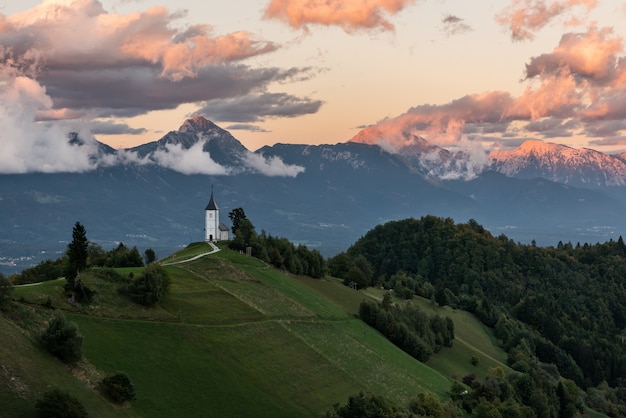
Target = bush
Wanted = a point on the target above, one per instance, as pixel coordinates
(63, 340)
(149, 288)
(58, 404)
(6, 293)
(118, 388)
(363, 405)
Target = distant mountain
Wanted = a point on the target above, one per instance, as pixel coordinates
(533, 159)
(325, 196)
(578, 167)
(223, 148)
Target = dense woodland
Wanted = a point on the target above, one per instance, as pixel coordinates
(559, 311)
(411, 329)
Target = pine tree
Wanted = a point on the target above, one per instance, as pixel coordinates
(77, 252)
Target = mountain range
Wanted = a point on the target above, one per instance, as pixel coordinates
(324, 196)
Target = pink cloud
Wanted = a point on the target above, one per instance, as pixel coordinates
(592, 54)
(524, 17)
(76, 31)
(351, 15)
(580, 84)
(93, 63)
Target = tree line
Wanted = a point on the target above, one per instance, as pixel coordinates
(81, 254)
(560, 306)
(279, 252)
(411, 329)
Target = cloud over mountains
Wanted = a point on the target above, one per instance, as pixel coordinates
(579, 88)
(74, 66)
(93, 63)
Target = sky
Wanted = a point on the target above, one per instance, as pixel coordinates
(486, 74)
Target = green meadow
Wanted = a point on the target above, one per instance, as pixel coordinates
(233, 337)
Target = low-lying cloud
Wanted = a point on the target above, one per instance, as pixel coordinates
(189, 161)
(271, 166)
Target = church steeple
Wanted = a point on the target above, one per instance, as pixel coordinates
(211, 220)
(212, 205)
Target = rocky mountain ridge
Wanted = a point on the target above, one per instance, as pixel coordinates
(324, 196)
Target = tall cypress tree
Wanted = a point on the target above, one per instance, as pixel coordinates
(76, 253)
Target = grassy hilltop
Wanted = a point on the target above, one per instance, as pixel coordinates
(233, 337)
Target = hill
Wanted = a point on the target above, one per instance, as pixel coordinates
(233, 337)
(557, 311)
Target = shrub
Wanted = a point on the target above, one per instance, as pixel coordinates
(6, 292)
(63, 340)
(58, 404)
(369, 405)
(118, 388)
(151, 286)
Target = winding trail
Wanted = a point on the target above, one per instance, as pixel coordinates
(213, 250)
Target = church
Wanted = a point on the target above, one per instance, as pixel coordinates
(214, 230)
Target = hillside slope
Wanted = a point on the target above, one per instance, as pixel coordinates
(233, 337)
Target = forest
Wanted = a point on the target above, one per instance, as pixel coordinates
(557, 311)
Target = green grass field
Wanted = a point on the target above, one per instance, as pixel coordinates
(233, 338)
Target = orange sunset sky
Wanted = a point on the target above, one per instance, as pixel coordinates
(493, 73)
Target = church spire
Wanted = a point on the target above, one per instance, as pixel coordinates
(212, 205)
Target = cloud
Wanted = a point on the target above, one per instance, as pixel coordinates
(192, 160)
(612, 141)
(591, 55)
(443, 125)
(271, 166)
(87, 64)
(577, 89)
(351, 15)
(245, 127)
(552, 127)
(525, 17)
(253, 108)
(454, 25)
(28, 147)
(76, 33)
(113, 128)
(608, 128)
(99, 64)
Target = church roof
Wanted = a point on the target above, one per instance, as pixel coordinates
(212, 205)
(223, 227)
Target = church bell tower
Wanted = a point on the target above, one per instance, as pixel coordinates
(212, 220)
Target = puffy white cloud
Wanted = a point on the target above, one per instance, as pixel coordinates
(271, 166)
(189, 161)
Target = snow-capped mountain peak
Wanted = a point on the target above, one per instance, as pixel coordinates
(560, 163)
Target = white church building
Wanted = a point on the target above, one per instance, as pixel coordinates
(214, 230)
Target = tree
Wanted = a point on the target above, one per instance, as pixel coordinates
(6, 292)
(149, 288)
(363, 405)
(118, 387)
(150, 256)
(63, 340)
(427, 405)
(236, 216)
(244, 235)
(59, 404)
(77, 252)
